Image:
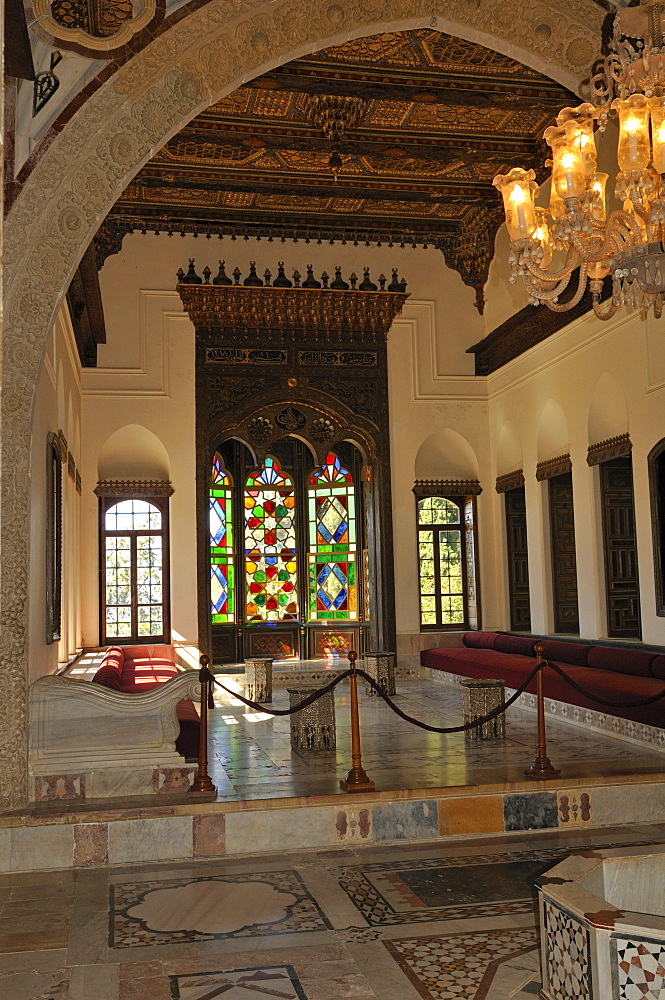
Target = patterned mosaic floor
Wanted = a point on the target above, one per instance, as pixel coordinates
(449, 921)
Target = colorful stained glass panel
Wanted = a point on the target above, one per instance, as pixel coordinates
(220, 521)
(333, 589)
(271, 573)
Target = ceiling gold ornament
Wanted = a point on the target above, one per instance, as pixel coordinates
(548, 245)
(391, 138)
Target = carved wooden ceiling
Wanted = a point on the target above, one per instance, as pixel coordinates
(439, 117)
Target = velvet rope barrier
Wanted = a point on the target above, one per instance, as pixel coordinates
(309, 700)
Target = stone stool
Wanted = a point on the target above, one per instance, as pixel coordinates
(258, 679)
(480, 698)
(381, 668)
(313, 728)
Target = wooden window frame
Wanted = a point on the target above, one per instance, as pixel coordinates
(461, 526)
(54, 459)
(160, 500)
(656, 464)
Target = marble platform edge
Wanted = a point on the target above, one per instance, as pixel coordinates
(637, 733)
(197, 830)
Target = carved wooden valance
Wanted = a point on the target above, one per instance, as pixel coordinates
(235, 311)
(447, 488)
(511, 481)
(142, 489)
(605, 451)
(553, 467)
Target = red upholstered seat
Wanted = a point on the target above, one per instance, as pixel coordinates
(146, 672)
(622, 688)
(134, 669)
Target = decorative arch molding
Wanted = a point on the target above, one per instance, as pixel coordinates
(198, 60)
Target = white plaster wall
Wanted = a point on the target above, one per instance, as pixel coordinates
(145, 377)
(57, 407)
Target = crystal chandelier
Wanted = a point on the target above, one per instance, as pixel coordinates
(548, 245)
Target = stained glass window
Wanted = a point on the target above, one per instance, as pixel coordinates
(333, 583)
(270, 545)
(222, 563)
(441, 563)
(133, 550)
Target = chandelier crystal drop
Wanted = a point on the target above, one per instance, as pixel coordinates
(548, 245)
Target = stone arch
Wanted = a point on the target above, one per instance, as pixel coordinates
(553, 434)
(133, 452)
(608, 410)
(445, 454)
(508, 450)
(196, 61)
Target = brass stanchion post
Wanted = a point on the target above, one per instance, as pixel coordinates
(202, 784)
(356, 779)
(542, 767)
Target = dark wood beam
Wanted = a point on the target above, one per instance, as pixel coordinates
(86, 310)
(18, 53)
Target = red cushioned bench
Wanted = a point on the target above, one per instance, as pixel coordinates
(135, 669)
(610, 672)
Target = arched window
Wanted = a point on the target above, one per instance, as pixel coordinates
(222, 561)
(134, 556)
(270, 545)
(333, 581)
(442, 564)
(657, 484)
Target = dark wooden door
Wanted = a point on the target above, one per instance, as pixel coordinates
(564, 563)
(518, 560)
(621, 579)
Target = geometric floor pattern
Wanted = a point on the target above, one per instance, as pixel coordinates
(459, 965)
(641, 969)
(451, 920)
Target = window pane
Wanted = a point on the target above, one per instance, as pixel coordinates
(450, 562)
(438, 510)
(332, 582)
(270, 545)
(133, 515)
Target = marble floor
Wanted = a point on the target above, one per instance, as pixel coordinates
(251, 757)
(452, 921)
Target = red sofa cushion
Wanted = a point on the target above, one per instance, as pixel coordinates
(622, 661)
(565, 652)
(109, 673)
(521, 644)
(514, 669)
(146, 672)
(657, 668)
(480, 640)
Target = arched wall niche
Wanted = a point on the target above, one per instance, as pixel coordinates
(445, 454)
(196, 61)
(133, 452)
(608, 412)
(508, 450)
(553, 434)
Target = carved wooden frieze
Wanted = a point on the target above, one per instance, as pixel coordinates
(138, 488)
(325, 315)
(553, 467)
(447, 487)
(510, 481)
(605, 451)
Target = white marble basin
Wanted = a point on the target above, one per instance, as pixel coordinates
(602, 920)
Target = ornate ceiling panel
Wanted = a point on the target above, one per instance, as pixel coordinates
(437, 118)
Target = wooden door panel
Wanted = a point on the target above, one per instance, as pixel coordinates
(518, 560)
(564, 561)
(621, 575)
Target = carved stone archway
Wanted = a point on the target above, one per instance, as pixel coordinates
(201, 58)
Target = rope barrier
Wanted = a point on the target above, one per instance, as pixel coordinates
(309, 700)
(480, 721)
